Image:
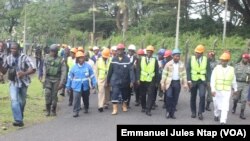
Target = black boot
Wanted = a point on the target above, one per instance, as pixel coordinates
(208, 106)
(242, 116)
(53, 110)
(86, 110)
(148, 112)
(48, 106)
(234, 106)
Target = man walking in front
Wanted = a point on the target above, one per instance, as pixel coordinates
(198, 76)
(19, 67)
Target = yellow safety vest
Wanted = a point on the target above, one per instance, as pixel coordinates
(102, 68)
(147, 70)
(223, 81)
(70, 62)
(198, 71)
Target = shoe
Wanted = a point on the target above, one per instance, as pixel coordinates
(62, 94)
(106, 106)
(70, 104)
(76, 115)
(137, 104)
(19, 124)
(167, 115)
(173, 117)
(216, 118)
(242, 116)
(193, 115)
(143, 110)
(222, 123)
(200, 116)
(100, 109)
(148, 113)
(86, 111)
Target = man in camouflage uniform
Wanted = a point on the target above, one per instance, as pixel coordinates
(54, 76)
(242, 72)
(213, 62)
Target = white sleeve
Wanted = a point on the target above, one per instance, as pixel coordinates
(234, 83)
(212, 80)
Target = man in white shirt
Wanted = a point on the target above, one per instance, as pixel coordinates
(222, 80)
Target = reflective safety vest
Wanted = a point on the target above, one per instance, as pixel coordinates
(70, 62)
(102, 68)
(223, 81)
(198, 71)
(147, 70)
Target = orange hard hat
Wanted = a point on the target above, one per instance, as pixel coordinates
(80, 49)
(120, 46)
(167, 53)
(225, 56)
(79, 54)
(106, 53)
(150, 48)
(200, 48)
(140, 51)
(74, 50)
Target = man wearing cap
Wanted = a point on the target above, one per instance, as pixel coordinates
(102, 67)
(242, 72)
(198, 76)
(173, 76)
(147, 77)
(120, 78)
(53, 78)
(222, 81)
(212, 62)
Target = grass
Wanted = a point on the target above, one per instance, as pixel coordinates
(34, 110)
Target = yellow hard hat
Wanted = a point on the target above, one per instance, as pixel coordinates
(150, 48)
(225, 56)
(200, 48)
(106, 53)
(79, 54)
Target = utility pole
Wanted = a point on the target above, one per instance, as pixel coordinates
(93, 14)
(225, 24)
(177, 25)
(24, 29)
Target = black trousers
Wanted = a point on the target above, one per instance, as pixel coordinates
(201, 87)
(117, 91)
(85, 98)
(172, 96)
(137, 94)
(70, 96)
(147, 93)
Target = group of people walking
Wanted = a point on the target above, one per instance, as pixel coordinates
(115, 74)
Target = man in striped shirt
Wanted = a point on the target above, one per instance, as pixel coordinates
(20, 67)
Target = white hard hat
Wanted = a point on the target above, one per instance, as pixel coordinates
(114, 48)
(131, 47)
(95, 48)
